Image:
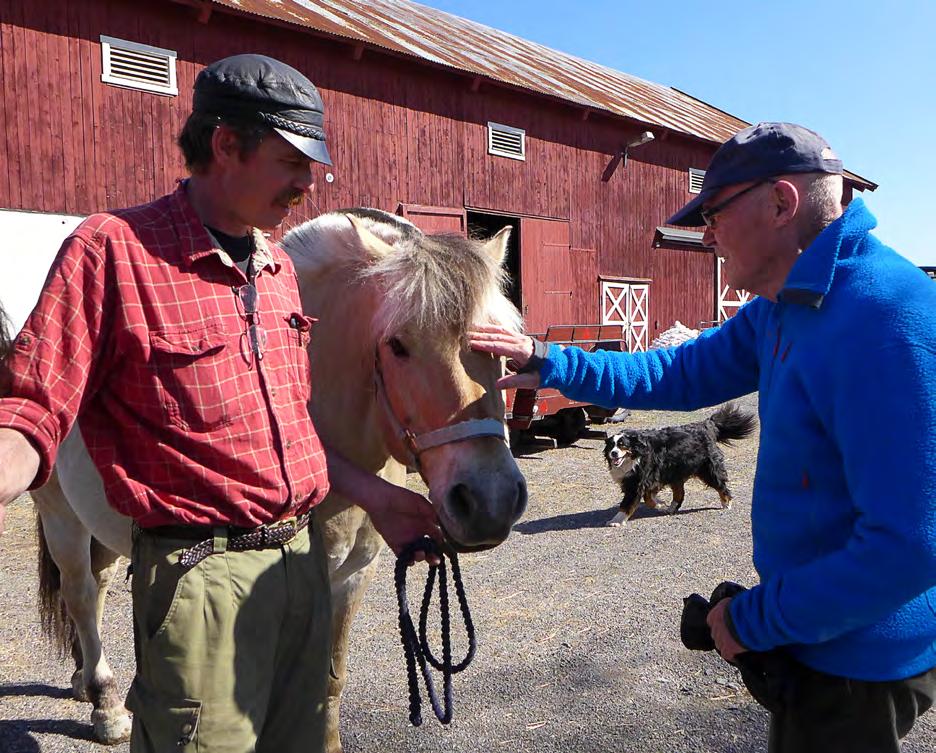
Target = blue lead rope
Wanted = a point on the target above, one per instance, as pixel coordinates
(416, 648)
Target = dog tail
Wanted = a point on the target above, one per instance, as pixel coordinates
(732, 423)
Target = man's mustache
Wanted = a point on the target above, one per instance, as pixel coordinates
(290, 198)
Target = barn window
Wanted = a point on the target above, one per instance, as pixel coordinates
(695, 180)
(505, 141)
(138, 66)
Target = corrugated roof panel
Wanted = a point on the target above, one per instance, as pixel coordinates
(444, 39)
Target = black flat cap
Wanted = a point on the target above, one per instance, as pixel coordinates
(757, 152)
(264, 89)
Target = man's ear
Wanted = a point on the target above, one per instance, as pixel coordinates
(225, 145)
(785, 201)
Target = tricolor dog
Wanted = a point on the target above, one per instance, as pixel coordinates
(643, 461)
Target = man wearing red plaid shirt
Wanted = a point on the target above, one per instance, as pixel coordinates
(176, 330)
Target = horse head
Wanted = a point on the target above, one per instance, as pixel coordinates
(392, 372)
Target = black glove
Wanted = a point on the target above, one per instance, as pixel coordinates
(769, 676)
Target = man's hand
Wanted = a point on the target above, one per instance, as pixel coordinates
(399, 515)
(515, 346)
(19, 463)
(725, 643)
(402, 517)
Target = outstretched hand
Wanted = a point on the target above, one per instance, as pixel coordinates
(516, 347)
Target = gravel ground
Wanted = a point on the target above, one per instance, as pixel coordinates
(577, 625)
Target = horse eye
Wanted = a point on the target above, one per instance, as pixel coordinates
(397, 347)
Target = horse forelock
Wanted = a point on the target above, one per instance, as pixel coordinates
(436, 283)
(440, 283)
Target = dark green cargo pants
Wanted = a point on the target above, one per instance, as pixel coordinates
(829, 714)
(232, 655)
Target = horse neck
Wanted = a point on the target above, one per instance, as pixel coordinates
(342, 353)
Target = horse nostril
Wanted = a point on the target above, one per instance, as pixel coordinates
(521, 499)
(460, 500)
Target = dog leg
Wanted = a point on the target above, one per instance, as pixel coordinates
(679, 495)
(714, 475)
(624, 514)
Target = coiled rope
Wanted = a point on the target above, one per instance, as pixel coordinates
(416, 648)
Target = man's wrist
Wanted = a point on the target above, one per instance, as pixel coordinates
(535, 362)
(730, 627)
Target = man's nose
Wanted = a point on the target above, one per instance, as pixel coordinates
(708, 237)
(304, 181)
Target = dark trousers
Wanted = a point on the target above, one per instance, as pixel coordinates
(828, 714)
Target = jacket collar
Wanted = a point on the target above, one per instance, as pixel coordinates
(811, 277)
(197, 242)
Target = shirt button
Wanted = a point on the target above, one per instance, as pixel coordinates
(288, 444)
(187, 729)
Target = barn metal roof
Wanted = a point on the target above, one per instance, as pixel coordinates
(444, 39)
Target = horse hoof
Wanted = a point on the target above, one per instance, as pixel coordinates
(79, 691)
(111, 726)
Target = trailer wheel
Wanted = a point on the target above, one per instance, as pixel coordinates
(572, 422)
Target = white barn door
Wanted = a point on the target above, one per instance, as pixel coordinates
(729, 299)
(627, 304)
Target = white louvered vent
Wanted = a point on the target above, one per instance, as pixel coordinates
(138, 66)
(505, 141)
(695, 180)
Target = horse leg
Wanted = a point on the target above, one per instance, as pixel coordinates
(352, 546)
(346, 600)
(76, 569)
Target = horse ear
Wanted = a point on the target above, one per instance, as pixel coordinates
(496, 247)
(368, 243)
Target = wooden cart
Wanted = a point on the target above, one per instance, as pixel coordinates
(546, 411)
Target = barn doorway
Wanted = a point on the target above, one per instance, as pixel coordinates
(482, 225)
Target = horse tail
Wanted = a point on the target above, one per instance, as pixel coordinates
(732, 423)
(57, 626)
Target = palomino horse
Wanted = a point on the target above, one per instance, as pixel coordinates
(394, 384)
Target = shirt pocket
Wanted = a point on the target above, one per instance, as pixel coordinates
(194, 374)
(300, 335)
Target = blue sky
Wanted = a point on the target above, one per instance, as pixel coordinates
(861, 73)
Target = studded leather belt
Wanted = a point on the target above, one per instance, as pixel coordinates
(267, 536)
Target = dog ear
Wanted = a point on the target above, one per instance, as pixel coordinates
(641, 444)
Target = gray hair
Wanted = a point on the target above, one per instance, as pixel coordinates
(822, 200)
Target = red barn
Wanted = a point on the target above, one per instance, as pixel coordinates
(451, 123)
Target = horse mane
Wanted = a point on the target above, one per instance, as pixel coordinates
(435, 283)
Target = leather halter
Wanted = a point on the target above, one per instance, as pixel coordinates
(416, 444)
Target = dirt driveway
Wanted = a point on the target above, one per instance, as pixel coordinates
(577, 625)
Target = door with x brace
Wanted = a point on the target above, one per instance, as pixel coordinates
(627, 304)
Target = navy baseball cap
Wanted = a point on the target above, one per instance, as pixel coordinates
(261, 88)
(760, 151)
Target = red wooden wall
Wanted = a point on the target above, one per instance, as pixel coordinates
(399, 132)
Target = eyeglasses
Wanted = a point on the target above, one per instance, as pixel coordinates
(708, 215)
(249, 298)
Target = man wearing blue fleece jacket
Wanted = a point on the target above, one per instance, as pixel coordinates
(841, 345)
